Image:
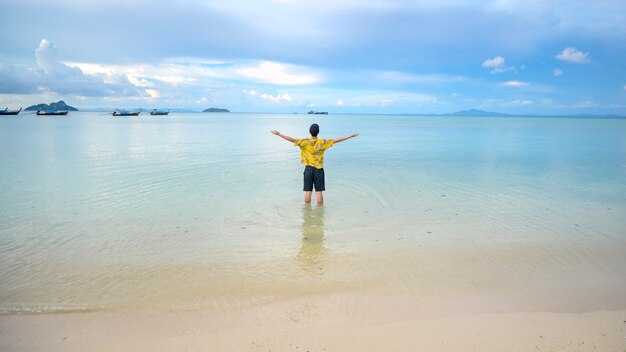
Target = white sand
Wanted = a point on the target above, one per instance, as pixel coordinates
(294, 327)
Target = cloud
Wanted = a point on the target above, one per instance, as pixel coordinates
(406, 78)
(153, 93)
(190, 72)
(277, 98)
(557, 72)
(507, 104)
(188, 80)
(302, 32)
(573, 55)
(497, 61)
(515, 84)
(586, 105)
(497, 64)
(278, 73)
(517, 103)
(16, 79)
(47, 57)
(175, 80)
(364, 100)
(52, 76)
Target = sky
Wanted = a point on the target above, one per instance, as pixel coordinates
(341, 56)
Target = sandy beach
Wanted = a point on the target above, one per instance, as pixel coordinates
(288, 326)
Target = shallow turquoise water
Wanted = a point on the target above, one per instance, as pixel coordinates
(204, 211)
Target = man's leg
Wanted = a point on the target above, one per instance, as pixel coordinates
(320, 185)
(318, 196)
(308, 183)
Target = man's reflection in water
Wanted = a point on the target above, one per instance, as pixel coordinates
(312, 238)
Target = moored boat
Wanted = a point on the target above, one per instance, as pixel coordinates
(159, 112)
(10, 112)
(118, 112)
(52, 112)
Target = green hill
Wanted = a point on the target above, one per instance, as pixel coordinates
(58, 106)
(216, 110)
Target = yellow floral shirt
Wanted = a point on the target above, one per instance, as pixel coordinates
(312, 150)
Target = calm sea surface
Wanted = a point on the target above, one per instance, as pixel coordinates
(205, 212)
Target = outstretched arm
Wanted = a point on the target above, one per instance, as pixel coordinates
(283, 136)
(346, 137)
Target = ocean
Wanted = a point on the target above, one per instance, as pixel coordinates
(205, 212)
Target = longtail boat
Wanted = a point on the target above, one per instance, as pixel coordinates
(118, 112)
(10, 112)
(52, 112)
(159, 112)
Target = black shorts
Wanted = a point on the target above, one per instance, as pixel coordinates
(313, 177)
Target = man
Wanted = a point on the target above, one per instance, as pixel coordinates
(312, 156)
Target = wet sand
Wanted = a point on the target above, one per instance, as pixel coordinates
(286, 327)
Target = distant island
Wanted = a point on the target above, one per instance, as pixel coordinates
(483, 113)
(215, 110)
(58, 106)
(475, 112)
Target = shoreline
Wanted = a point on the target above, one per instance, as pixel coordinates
(286, 327)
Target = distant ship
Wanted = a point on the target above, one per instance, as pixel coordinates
(317, 112)
(118, 112)
(10, 112)
(52, 112)
(159, 112)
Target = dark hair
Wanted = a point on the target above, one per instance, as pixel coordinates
(314, 130)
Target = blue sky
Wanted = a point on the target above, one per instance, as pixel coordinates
(556, 57)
